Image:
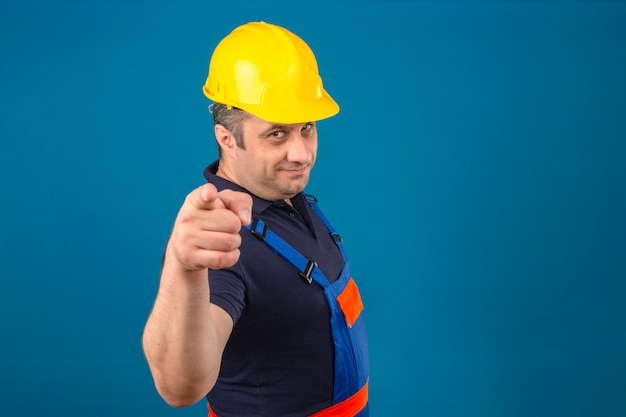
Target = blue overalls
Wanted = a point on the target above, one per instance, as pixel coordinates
(346, 321)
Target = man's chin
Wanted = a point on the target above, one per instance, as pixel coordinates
(293, 190)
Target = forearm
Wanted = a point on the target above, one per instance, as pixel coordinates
(185, 335)
(181, 342)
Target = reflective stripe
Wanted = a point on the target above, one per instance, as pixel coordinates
(346, 408)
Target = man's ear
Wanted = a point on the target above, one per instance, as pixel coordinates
(224, 138)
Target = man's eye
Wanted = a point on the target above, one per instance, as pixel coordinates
(307, 129)
(276, 134)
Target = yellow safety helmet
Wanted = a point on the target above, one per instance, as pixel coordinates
(269, 72)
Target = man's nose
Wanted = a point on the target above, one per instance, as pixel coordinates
(299, 150)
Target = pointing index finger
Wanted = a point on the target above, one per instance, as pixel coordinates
(239, 203)
(205, 198)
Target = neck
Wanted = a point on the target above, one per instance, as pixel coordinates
(223, 173)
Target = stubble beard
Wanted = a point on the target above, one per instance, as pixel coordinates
(291, 187)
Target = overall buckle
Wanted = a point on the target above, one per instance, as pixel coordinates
(253, 229)
(306, 274)
(336, 237)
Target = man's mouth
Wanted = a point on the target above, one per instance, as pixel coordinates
(299, 170)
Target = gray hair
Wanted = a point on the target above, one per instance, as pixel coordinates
(232, 119)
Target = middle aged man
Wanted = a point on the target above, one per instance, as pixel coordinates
(276, 329)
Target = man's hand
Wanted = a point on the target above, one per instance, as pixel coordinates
(206, 231)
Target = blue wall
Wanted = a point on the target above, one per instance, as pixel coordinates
(485, 142)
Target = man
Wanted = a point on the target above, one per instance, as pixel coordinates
(276, 329)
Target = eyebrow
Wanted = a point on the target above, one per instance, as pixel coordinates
(274, 127)
(282, 126)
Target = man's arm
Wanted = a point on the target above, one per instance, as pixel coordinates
(185, 335)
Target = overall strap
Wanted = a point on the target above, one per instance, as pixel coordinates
(333, 233)
(307, 268)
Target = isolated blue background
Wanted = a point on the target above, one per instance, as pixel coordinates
(477, 171)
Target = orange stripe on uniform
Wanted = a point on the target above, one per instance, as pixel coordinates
(349, 407)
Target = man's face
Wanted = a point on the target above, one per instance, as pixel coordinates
(276, 159)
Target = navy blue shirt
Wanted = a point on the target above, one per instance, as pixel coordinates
(279, 360)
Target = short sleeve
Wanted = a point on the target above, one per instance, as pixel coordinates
(228, 290)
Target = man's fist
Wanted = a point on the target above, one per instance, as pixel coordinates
(206, 231)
